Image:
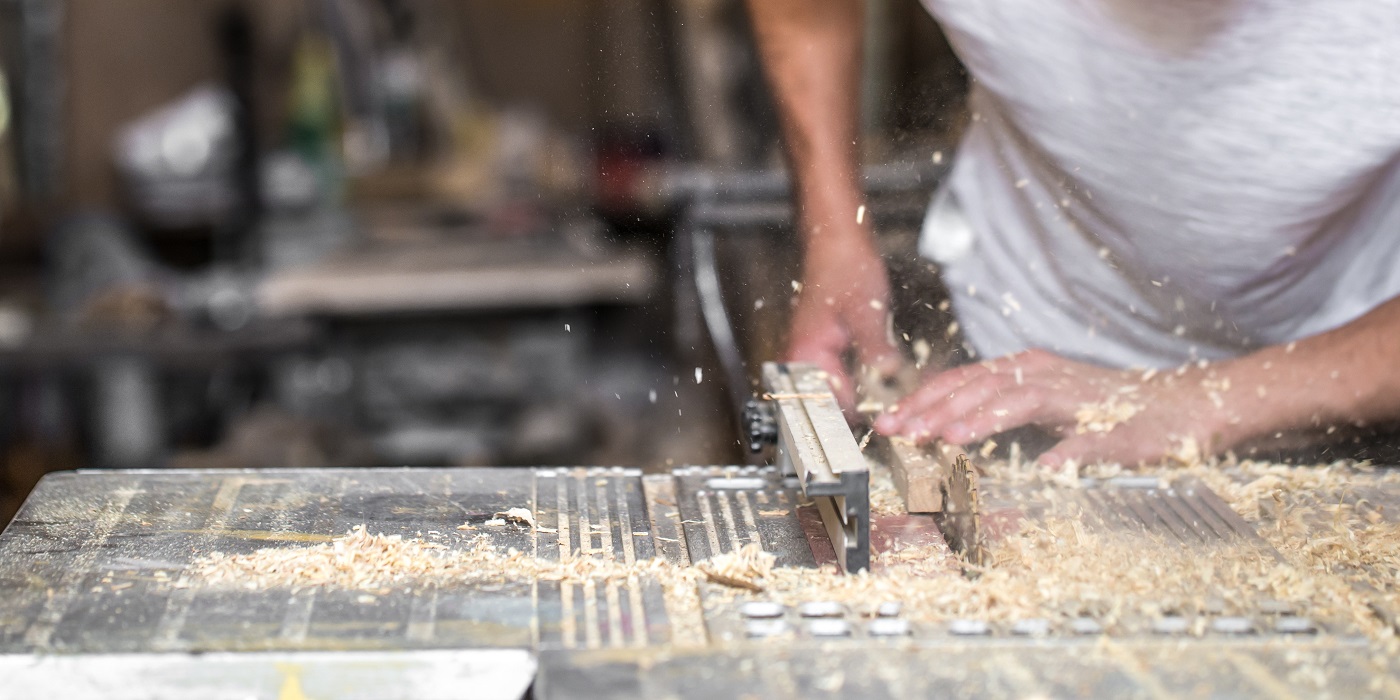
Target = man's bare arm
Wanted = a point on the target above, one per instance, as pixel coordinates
(811, 50)
(1343, 377)
(1346, 376)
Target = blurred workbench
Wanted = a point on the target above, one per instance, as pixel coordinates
(468, 340)
(451, 275)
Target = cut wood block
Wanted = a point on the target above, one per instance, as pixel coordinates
(919, 472)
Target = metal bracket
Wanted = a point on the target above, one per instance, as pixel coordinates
(815, 443)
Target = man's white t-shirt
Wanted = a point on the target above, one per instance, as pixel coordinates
(1148, 182)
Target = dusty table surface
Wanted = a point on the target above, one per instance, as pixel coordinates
(98, 600)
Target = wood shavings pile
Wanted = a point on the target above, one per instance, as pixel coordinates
(1023, 472)
(1105, 415)
(1342, 561)
(1059, 571)
(747, 568)
(519, 515)
(1321, 520)
(884, 497)
(361, 561)
(1341, 551)
(1340, 566)
(358, 561)
(523, 516)
(1373, 549)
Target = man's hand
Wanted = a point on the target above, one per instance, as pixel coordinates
(811, 51)
(1100, 414)
(843, 307)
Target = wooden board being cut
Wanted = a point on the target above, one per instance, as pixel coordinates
(918, 470)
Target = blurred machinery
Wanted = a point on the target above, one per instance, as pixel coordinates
(462, 352)
(178, 163)
(438, 351)
(451, 315)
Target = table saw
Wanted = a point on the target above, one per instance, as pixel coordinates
(98, 599)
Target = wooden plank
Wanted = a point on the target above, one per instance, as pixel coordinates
(918, 471)
(917, 474)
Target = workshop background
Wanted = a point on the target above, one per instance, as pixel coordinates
(295, 233)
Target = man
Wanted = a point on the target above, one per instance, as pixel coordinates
(1185, 215)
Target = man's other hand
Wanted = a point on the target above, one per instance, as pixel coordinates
(1099, 414)
(843, 310)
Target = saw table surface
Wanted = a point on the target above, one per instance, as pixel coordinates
(96, 601)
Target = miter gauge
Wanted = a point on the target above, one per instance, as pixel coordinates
(800, 415)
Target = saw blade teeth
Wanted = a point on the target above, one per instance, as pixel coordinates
(964, 518)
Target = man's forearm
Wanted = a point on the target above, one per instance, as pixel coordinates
(811, 51)
(1344, 377)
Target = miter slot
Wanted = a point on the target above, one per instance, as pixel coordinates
(1185, 510)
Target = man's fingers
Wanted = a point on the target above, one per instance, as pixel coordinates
(933, 392)
(1011, 410)
(1082, 449)
(959, 405)
(1065, 450)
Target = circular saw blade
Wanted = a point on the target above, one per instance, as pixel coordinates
(961, 521)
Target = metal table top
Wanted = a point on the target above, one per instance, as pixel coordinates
(91, 603)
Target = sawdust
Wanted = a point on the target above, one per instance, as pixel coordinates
(884, 497)
(749, 568)
(519, 515)
(1054, 571)
(1058, 571)
(1341, 552)
(1104, 416)
(1341, 561)
(377, 564)
(1340, 555)
(356, 561)
(1320, 519)
(361, 561)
